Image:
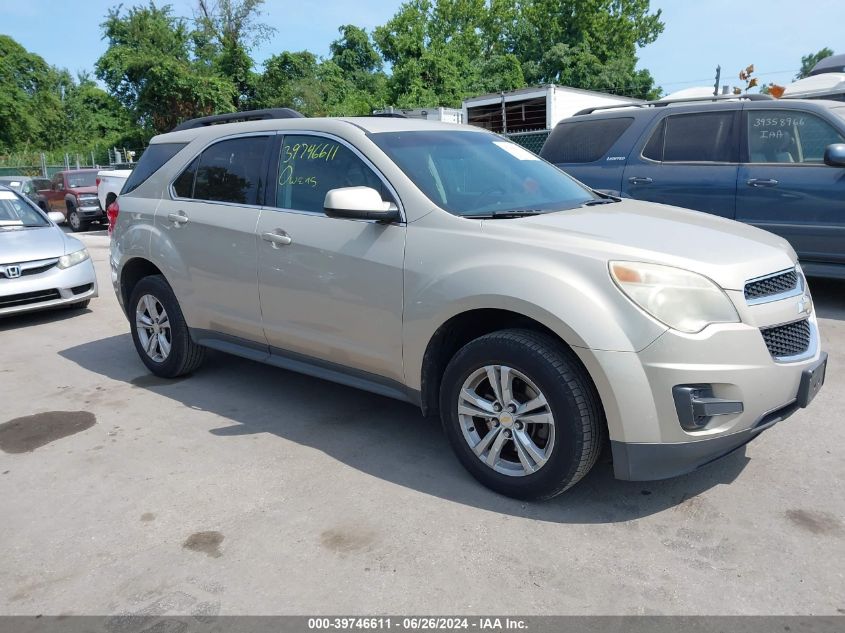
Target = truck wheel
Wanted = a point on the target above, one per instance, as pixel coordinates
(521, 413)
(159, 330)
(76, 223)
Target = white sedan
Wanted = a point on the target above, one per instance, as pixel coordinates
(40, 266)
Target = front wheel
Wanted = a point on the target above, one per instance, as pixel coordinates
(159, 330)
(521, 413)
(75, 222)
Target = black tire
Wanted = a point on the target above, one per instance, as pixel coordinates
(571, 396)
(185, 356)
(76, 224)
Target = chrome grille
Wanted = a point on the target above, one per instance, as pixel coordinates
(787, 340)
(772, 285)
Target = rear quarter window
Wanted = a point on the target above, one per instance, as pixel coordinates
(584, 141)
(153, 159)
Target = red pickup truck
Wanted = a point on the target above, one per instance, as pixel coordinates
(74, 193)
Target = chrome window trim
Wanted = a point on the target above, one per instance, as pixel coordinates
(799, 289)
(359, 154)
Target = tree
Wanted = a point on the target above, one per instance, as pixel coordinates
(151, 69)
(227, 30)
(808, 61)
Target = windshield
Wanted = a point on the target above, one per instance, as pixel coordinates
(839, 110)
(12, 183)
(81, 179)
(477, 174)
(16, 213)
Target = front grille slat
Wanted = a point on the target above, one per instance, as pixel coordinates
(770, 286)
(787, 340)
(27, 298)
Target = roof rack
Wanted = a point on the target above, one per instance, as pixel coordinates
(389, 115)
(232, 117)
(660, 103)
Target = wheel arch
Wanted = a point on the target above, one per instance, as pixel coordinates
(131, 273)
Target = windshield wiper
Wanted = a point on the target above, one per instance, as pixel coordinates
(496, 215)
(593, 203)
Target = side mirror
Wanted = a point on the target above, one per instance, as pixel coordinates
(834, 155)
(56, 217)
(359, 203)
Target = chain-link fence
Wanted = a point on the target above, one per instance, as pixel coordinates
(532, 141)
(45, 164)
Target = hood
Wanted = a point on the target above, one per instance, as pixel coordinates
(81, 190)
(726, 251)
(24, 245)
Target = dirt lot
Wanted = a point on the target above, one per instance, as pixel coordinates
(248, 489)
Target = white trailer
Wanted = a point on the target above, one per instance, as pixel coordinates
(444, 115)
(539, 108)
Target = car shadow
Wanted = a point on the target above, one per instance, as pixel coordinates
(381, 437)
(35, 318)
(828, 297)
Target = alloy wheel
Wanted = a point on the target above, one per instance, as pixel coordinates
(506, 420)
(153, 327)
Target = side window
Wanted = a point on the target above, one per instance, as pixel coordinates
(788, 136)
(183, 186)
(151, 161)
(309, 166)
(584, 141)
(653, 150)
(230, 171)
(700, 137)
(59, 181)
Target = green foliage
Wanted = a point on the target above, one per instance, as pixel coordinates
(150, 67)
(160, 69)
(808, 61)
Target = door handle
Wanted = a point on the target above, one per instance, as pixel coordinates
(177, 218)
(640, 180)
(762, 182)
(277, 238)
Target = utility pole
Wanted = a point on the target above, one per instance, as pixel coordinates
(504, 116)
(718, 78)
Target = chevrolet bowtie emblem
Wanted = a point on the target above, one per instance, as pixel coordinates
(805, 305)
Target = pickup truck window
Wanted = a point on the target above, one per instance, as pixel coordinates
(788, 136)
(82, 179)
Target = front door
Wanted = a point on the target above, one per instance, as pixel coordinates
(786, 188)
(688, 160)
(208, 237)
(331, 289)
(56, 194)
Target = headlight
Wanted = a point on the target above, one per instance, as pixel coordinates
(72, 259)
(681, 299)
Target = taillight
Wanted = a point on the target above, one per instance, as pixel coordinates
(111, 213)
(98, 181)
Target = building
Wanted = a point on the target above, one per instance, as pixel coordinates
(533, 109)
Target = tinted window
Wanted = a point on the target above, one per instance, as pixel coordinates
(477, 173)
(153, 158)
(309, 166)
(654, 148)
(230, 171)
(583, 141)
(183, 186)
(700, 137)
(788, 136)
(41, 183)
(81, 179)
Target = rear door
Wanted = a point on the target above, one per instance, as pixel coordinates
(591, 150)
(688, 160)
(785, 187)
(207, 226)
(56, 194)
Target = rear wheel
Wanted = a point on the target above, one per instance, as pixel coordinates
(159, 330)
(521, 414)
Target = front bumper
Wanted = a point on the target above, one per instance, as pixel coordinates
(732, 360)
(50, 289)
(91, 211)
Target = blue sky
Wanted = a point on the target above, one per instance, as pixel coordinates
(699, 34)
